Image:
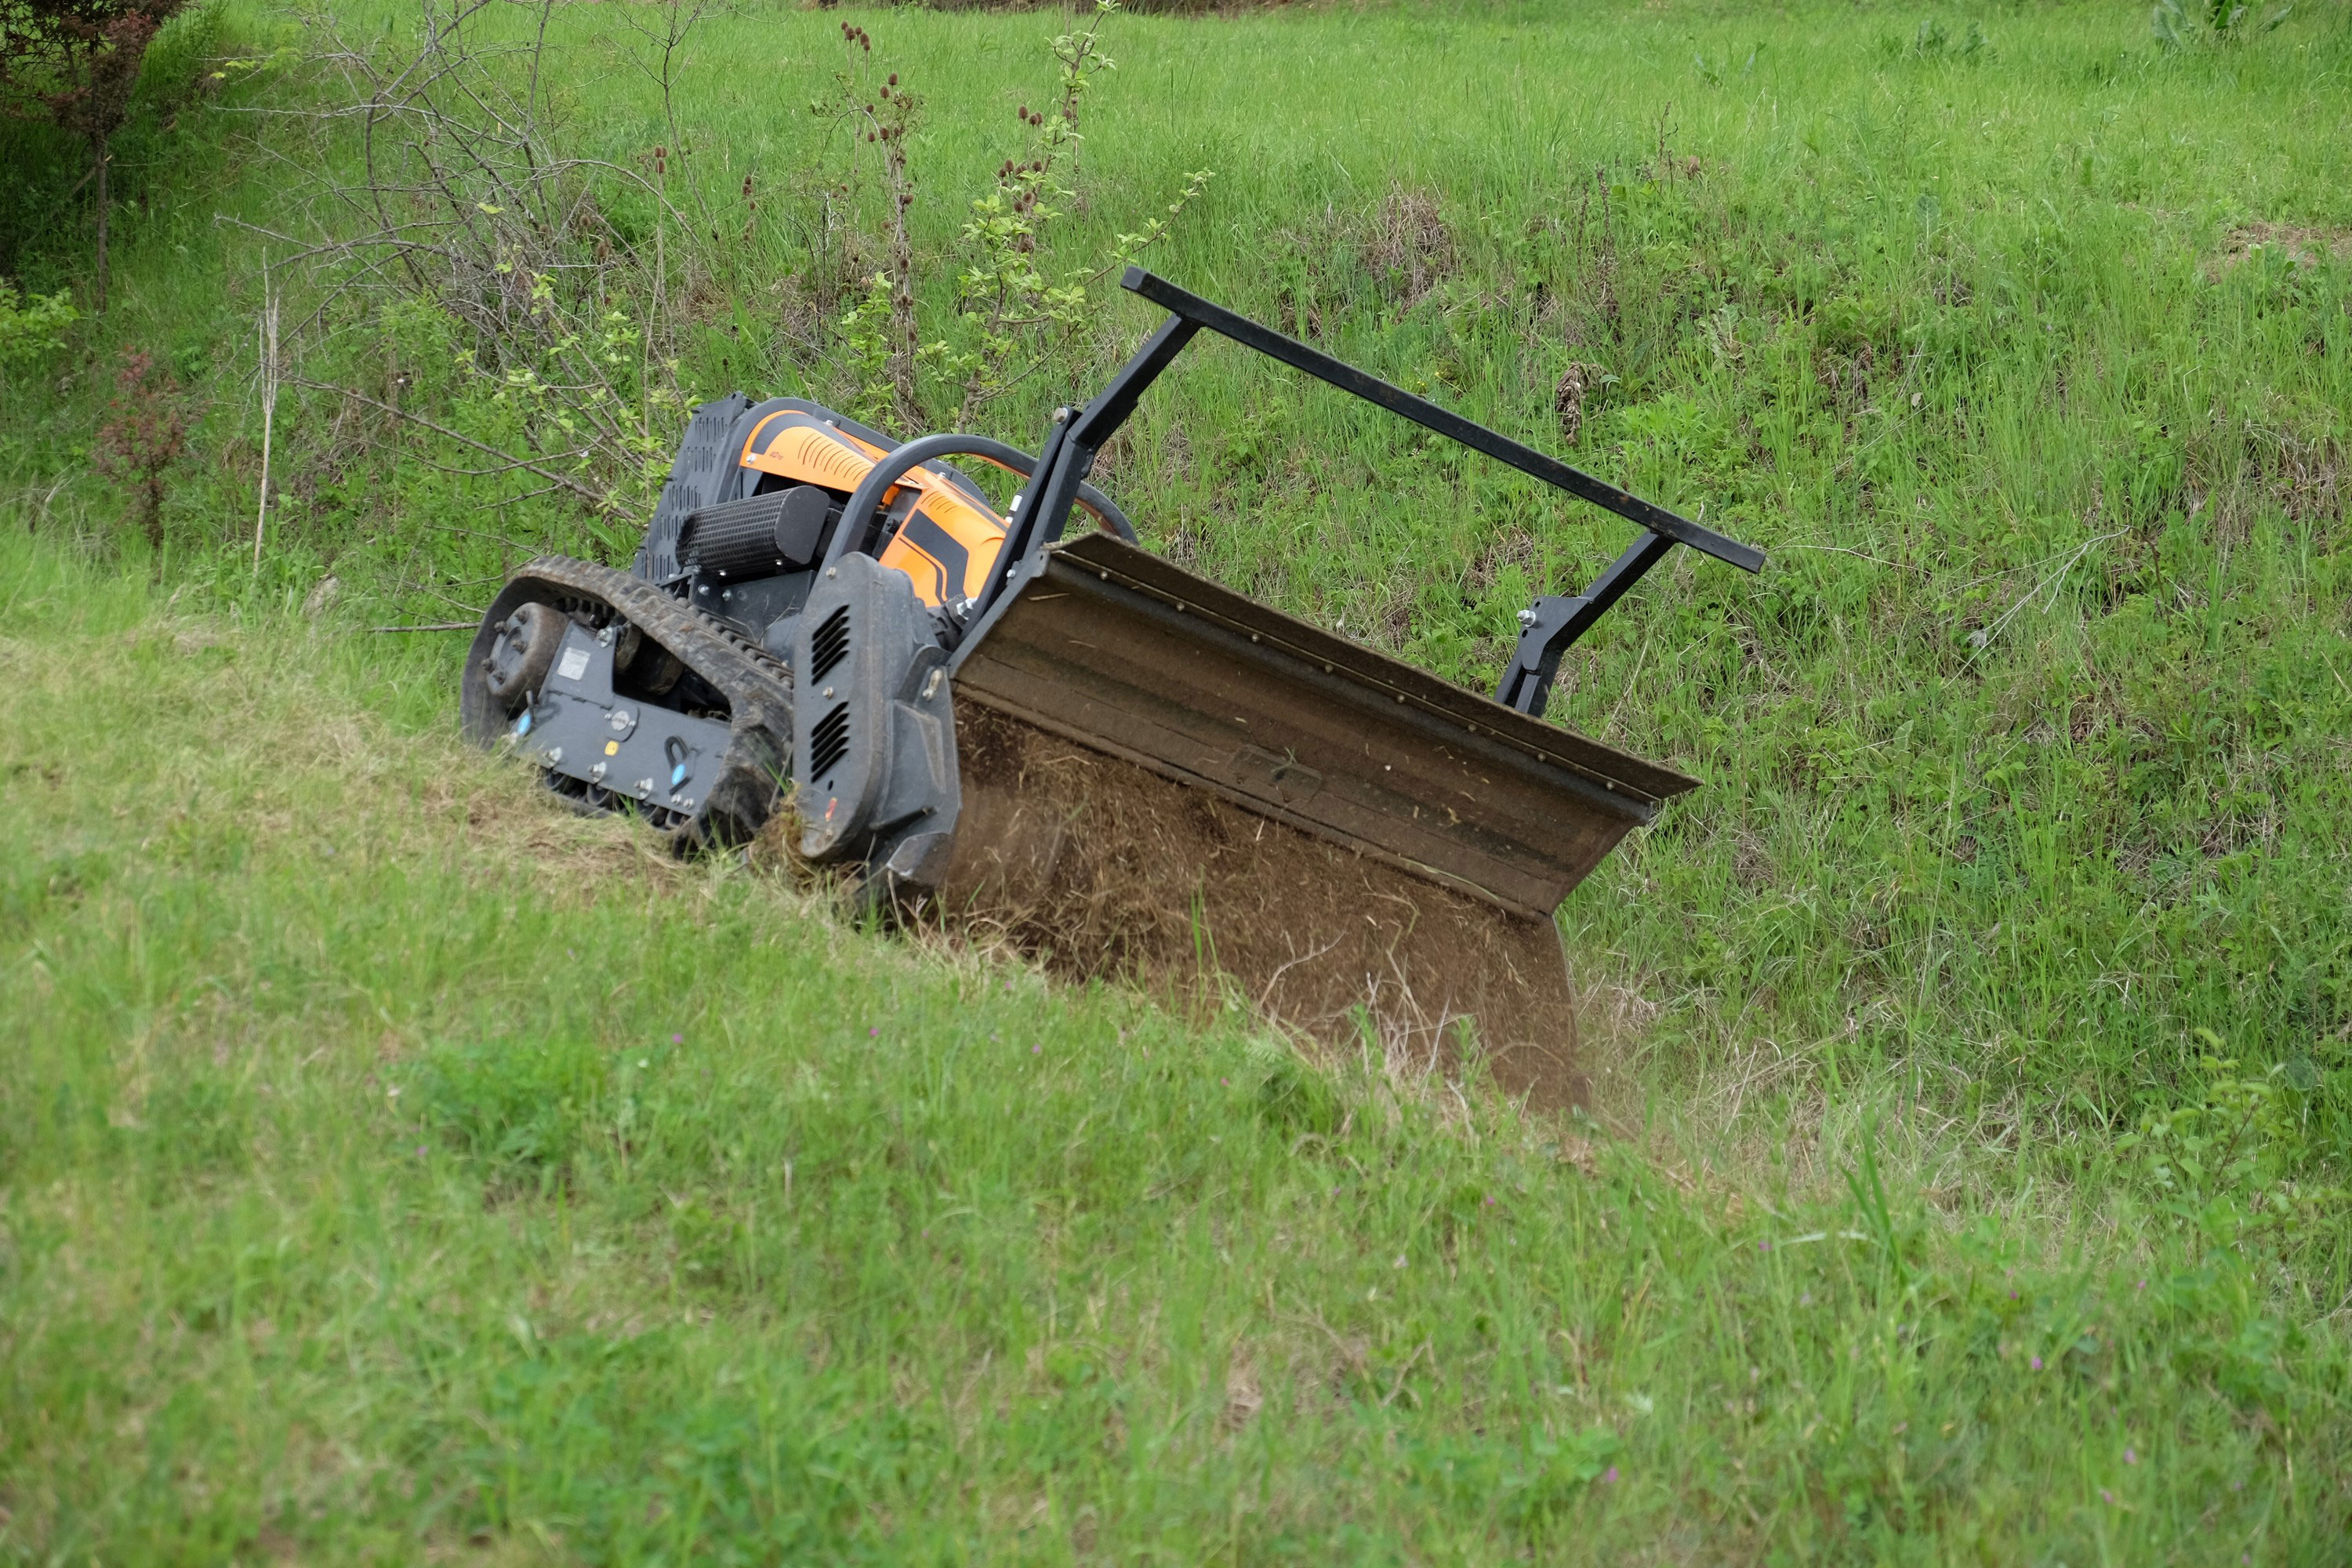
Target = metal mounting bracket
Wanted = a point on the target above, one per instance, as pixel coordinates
(1547, 628)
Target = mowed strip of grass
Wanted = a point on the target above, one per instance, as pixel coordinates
(390, 1164)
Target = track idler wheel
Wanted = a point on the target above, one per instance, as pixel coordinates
(522, 650)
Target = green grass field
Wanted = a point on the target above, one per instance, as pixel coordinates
(392, 1167)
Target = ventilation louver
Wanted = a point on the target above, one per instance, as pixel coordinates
(829, 742)
(830, 646)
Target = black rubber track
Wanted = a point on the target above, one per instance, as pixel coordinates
(758, 687)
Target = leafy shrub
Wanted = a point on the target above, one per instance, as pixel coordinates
(2236, 1155)
(33, 326)
(2187, 24)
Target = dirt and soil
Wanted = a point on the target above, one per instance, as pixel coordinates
(1093, 865)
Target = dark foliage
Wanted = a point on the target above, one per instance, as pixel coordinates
(77, 63)
(145, 431)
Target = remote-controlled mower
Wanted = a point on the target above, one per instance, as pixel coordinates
(1049, 733)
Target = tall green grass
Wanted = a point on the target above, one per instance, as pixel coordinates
(393, 1166)
(2004, 955)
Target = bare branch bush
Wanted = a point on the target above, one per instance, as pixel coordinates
(460, 270)
(488, 265)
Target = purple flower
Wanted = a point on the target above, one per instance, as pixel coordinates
(2106, 1497)
(871, 1033)
(1036, 1050)
(2037, 1363)
(2141, 1285)
(1610, 1475)
(677, 1039)
(1226, 1081)
(421, 1150)
(2131, 1456)
(1764, 1244)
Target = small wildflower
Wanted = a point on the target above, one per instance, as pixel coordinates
(1036, 1050)
(2131, 1456)
(641, 1062)
(2141, 1285)
(1226, 1081)
(2106, 1497)
(2037, 1363)
(871, 1033)
(1610, 1475)
(420, 1153)
(1764, 1244)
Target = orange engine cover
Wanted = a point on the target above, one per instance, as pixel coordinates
(946, 544)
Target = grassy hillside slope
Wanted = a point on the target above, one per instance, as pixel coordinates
(395, 1164)
(390, 1166)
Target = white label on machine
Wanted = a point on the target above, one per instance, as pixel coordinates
(574, 664)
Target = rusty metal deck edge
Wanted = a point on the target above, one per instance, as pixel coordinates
(1106, 558)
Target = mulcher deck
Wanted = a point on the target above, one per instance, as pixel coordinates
(1109, 645)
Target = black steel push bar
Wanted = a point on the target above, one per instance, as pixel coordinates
(1546, 629)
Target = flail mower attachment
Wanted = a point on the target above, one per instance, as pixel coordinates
(1072, 744)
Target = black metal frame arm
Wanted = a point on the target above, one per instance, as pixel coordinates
(1546, 629)
(1551, 626)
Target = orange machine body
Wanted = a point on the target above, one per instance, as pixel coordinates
(946, 541)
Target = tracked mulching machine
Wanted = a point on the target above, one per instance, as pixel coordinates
(1052, 736)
